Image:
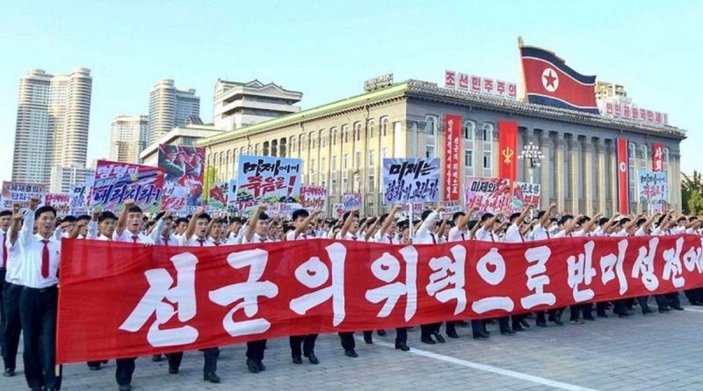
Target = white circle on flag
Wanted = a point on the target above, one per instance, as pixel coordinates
(623, 167)
(550, 79)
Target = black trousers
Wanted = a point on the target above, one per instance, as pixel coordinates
(124, 371)
(12, 327)
(255, 349)
(38, 317)
(477, 327)
(210, 360)
(427, 330)
(347, 340)
(306, 342)
(3, 272)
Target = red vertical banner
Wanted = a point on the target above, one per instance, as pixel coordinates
(507, 147)
(452, 166)
(657, 158)
(623, 180)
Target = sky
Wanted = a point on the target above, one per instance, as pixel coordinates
(327, 49)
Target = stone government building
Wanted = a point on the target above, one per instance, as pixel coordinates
(342, 144)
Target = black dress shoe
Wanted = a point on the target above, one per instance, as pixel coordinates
(439, 337)
(125, 388)
(589, 318)
(9, 372)
(297, 360)
(678, 308)
(603, 315)
(251, 365)
(261, 366)
(508, 332)
(559, 322)
(351, 353)
(402, 346)
(518, 327)
(452, 334)
(381, 333)
(212, 378)
(313, 359)
(156, 358)
(481, 336)
(524, 323)
(541, 324)
(94, 367)
(368, 339)
(647, 311)
(173, 371)
(428, 340)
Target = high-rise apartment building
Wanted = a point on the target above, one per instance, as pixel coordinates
(241, 104)
(53, 117)
(170, 107)
(128, 137)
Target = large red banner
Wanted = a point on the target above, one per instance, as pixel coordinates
(125, 300)
(452, 167)
(623, 177)
(507, 145)
(657, 158)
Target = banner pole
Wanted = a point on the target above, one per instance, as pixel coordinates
(410, 214)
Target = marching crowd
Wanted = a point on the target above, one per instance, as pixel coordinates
(32, 248)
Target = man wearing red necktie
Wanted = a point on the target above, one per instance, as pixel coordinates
(5, 219)
(12, 327)
(38, 262)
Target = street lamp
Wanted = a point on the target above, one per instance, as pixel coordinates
(531, 154)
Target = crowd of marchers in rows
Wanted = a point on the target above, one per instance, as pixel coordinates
(32, 247)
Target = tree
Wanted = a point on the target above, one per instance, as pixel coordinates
(692, 193)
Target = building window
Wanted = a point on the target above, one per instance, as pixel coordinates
(371, 158)
(469, 130)
(429, 151)
(345, 162)
(357, 159)
(311, 141)
(357, 131)
(430, 125)
(312, 165)
(345, 182)
(372, 183)
(346, 135)
(468, 158)
(370, 126)
(665, 163)
(384, 126)
(334, 136)
(632, 164)
(384, 152)
(488, 145)
(334, 186)
(323, 142)
(334, 164)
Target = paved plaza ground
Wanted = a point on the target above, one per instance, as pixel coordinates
(653, 352)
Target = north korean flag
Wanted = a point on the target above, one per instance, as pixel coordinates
(550, 82)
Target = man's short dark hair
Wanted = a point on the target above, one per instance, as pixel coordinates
(564, 219)
(5, 212)
(70, 219)
(486, 216)
(263, 216)
(134, 209)
(204, 216)
(83, 218)
(513, 216)
(235, 220)
(107, 215)
(425, 213)
(456, 215)
(298, 213)
(540, 214)
(44, 209)
(181, 220)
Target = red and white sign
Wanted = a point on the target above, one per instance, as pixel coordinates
(623, 178)
(171, 299)
(657, 158)
(452, 165)
(312, 197)
(464, 82)
(507, 147)
(614, 108)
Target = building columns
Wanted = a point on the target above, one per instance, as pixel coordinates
(574, 173)
(559, 170)
(602, 189)
(588, 173)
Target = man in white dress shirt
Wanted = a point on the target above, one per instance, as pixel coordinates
(485, 233)
(195, 236)
(302, 345)
(515, 233)
(12, 327)
(257, 232)
(38, 265)
(349, 231)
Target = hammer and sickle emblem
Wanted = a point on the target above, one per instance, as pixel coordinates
(508, 155)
